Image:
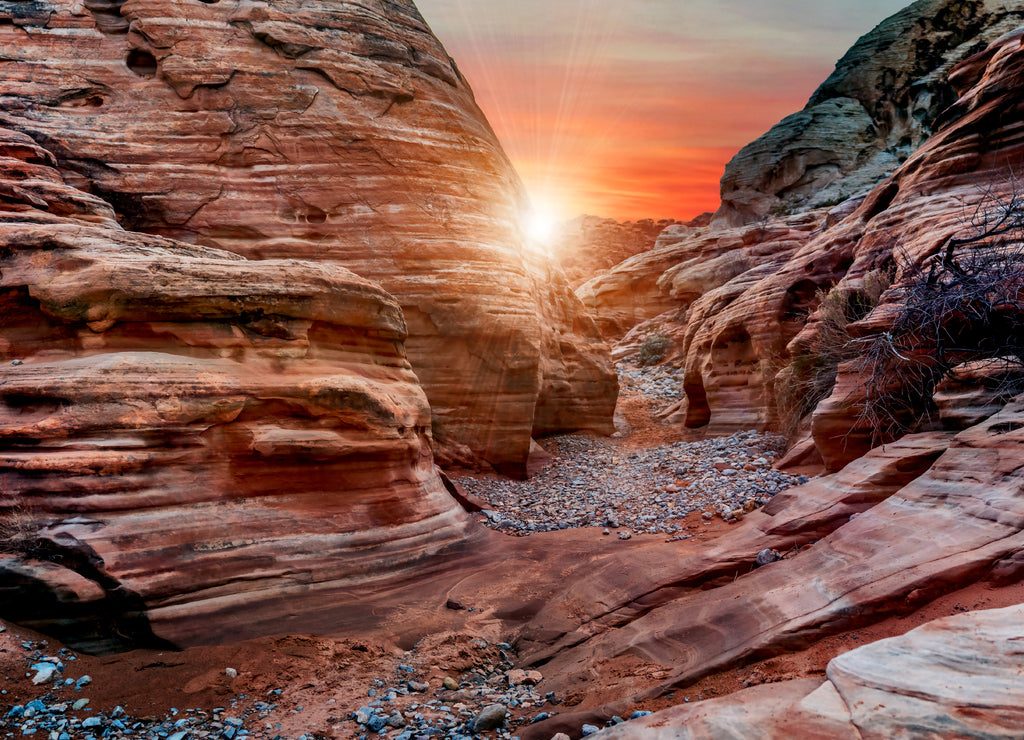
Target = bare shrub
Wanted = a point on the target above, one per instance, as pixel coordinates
(963, 305)
(19, 529)
(809, 378)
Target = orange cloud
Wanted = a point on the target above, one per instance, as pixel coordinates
(632, 110)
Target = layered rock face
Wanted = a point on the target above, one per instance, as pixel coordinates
(187, 436)
(925, 204)
(950, 678)
(653, 291)
(339, 132)
(877, 107)
(741, 302)
(893, 530)
(589, 245)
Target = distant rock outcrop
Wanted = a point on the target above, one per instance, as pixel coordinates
(686, 263)
(187, 435)
(742, 302)
(876, 109)
(589, 245)
(336, 132)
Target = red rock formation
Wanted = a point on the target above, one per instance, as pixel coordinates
(924, 204)
(193, 435)
(939, 532)
(743, 329)
(329, 131)
(589, 245)
(875, 109)
(686, 263)
(950, 678)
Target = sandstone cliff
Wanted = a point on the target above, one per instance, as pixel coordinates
(949, 678)
(187, 436)
(741, 301)
(878, 106)
(589, 245)
(336, 132)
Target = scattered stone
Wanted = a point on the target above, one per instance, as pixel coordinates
(589, 730)
(455, 605)
(231, 672)
(490, 718)
(766, 557)
(591, 483)
(44, 672)
(625, 535)
(450, 683)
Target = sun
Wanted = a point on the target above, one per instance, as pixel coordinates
(541, 225)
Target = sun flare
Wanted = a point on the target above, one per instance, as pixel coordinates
(541, 226)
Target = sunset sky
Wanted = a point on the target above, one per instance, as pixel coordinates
(632, 109)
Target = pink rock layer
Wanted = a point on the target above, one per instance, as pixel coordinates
(336, 132)
(953, 677)
(190, 438)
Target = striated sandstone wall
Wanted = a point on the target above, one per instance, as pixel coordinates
(192, 440)
(950, 678)
(340, 132)
(741, 301)
(589, 245)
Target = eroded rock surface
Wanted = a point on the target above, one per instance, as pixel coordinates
(936, 533)
(589, 245)
(741, 303)
(336, 132)
(188, 437)
(685, 263)
(877, 108)
(955, 677)
(917, 210)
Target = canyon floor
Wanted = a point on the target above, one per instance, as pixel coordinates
(427, 660)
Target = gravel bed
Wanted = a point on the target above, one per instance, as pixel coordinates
(490, 700)
(63, 711)
(660, 383)
(594, 484)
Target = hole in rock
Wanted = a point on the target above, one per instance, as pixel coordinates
(800, 300)
(141, 63)
(27, 403)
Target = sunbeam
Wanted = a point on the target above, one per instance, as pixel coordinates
(631, 110)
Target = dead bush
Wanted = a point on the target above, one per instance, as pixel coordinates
(963, 305)
(19, 528)
(808, 379)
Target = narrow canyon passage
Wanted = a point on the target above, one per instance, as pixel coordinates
(498, 623)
